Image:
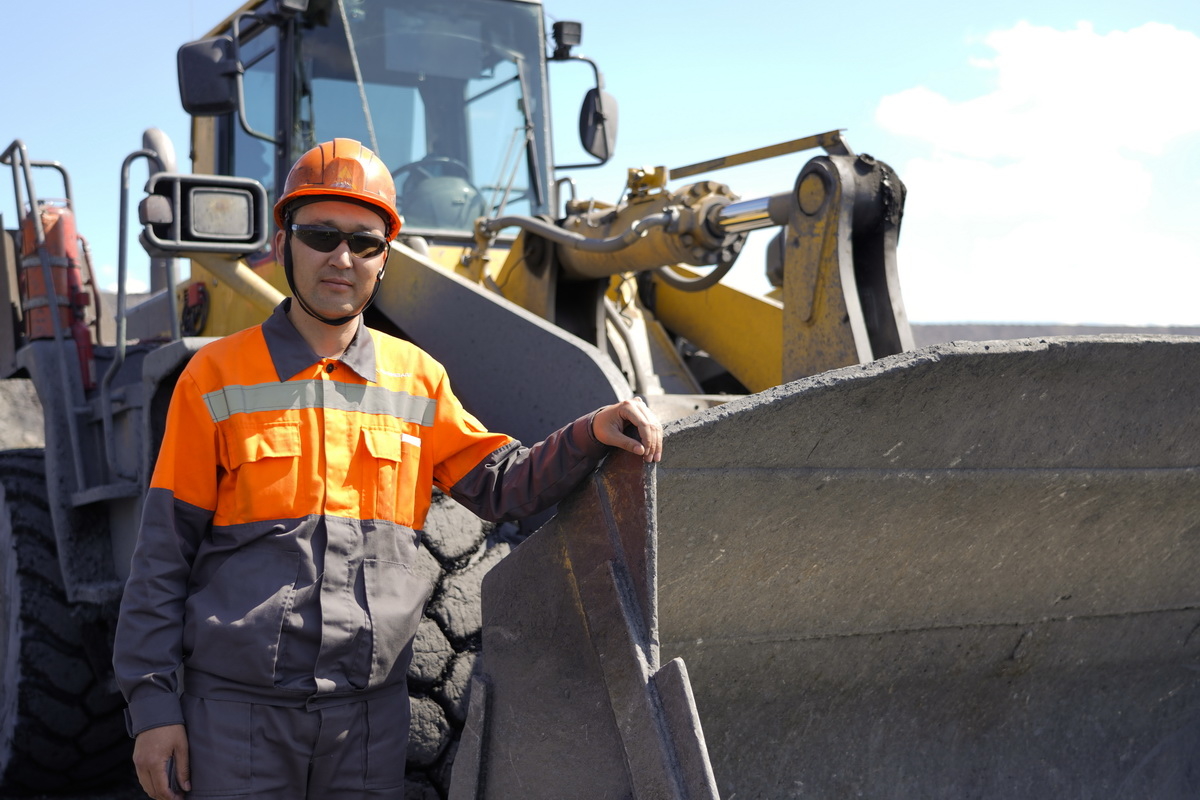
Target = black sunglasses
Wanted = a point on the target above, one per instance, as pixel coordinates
(324, 239)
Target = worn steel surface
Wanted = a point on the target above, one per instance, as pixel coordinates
(572, 701)
(968, 571)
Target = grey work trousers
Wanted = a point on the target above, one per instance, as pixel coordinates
(267, 752)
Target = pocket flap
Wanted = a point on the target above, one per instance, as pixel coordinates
(382, 443)
(254, 442)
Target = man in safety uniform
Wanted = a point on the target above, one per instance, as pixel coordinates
(275, 561)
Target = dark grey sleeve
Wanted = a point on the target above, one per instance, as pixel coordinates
(516, 481)
(149, 642)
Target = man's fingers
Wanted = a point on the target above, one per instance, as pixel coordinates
(157, 783)
(152, 775)
(649, 429)
(183, 770)
(610, 423)
(157, 753)
(154, 782)
(146, 780)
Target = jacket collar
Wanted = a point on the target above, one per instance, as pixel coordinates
(291, 355)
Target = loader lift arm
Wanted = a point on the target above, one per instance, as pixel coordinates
(835, 261)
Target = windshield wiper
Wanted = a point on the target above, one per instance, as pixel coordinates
(358, 79)
(530, 149)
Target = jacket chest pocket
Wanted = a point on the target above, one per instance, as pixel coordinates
(389, 457)
(264, 461)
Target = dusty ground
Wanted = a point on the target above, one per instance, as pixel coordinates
(20, 415)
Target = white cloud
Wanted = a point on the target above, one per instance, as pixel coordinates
(106, 278)
(1075, 89)
(1036, 201)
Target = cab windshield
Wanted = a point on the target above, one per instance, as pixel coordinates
(450, 96)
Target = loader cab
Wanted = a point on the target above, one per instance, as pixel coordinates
(451, 95)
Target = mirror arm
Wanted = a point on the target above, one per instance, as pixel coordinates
(239, 73)
(590, 62)
(600, 89)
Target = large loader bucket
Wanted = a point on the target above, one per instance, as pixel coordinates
(968, 571)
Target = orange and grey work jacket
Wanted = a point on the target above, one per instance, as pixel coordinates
(275, 561)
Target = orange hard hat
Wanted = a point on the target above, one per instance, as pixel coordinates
(342, 169)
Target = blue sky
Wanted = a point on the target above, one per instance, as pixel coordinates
(1051, 151)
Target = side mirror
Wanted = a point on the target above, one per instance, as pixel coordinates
(598, 124)
(203, 214)
(210, 77)
(207, 77)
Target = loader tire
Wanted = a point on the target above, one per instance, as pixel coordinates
(60, 728)
(458, 551)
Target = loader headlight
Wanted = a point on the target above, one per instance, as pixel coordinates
(203, 213)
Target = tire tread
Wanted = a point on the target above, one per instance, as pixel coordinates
(69, 729)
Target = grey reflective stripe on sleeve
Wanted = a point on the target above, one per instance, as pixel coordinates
(291, 395)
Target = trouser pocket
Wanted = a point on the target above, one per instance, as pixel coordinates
(387, 741)
(220, 750)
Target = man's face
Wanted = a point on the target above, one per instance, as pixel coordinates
(337, 283)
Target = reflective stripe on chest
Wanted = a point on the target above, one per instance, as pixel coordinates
(295, 395)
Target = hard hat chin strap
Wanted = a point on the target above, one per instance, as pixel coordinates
(288, 264)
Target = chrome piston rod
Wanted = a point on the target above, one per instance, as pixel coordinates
(751, 215)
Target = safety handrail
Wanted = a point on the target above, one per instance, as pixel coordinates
(18, 157)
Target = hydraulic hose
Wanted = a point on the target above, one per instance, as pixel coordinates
(684, 284)
(569, 239)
